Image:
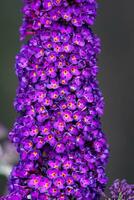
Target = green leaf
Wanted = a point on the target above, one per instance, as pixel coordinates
(120, 196)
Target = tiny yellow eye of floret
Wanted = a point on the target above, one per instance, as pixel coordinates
(49, 4)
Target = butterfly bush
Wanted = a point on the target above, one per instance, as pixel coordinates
(120, 190)
(58, 133)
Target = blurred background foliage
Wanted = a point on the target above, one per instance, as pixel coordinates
(115, 26)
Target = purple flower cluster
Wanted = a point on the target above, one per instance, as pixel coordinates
(121, 190)
(44, 14)
(58, 134)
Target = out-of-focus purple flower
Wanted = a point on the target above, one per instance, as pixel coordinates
(122, 190)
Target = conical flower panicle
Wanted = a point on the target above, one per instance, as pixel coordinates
(58, 134)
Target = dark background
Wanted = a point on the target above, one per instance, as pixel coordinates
(115, 26)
